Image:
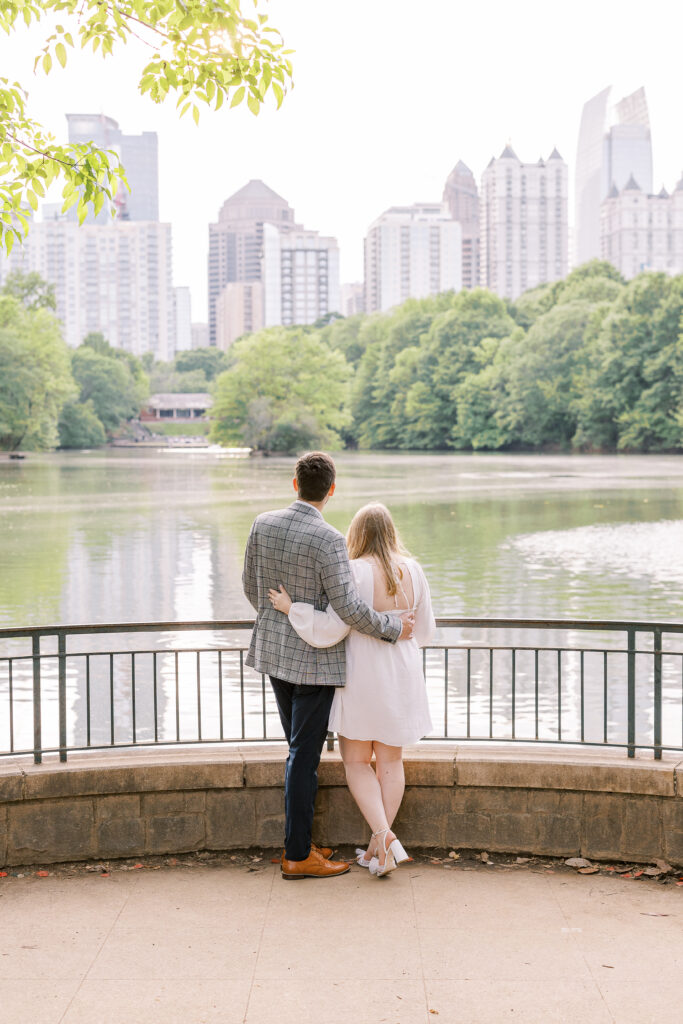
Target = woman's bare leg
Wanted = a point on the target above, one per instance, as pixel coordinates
(365, 788)
(391, 777)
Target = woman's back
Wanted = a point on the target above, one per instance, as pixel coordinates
(382, 600)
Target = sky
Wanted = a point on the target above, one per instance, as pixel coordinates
(388, 96)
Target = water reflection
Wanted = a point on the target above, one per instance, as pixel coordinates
(118, 536)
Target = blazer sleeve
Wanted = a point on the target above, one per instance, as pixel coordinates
(319, 629)
(249, 578)
(425, 623)
(337, 582)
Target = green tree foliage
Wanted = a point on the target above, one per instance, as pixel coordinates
(30, 289)
(35, 378)
(108, 384)
(210, 361)
(285, 390)
(79, 426)
(199, 53)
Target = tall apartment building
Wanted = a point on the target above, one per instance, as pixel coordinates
(264, 269)
(352, 298)
(300, 276)
(236, 240)
(114, 278)
(182, 313)
(411, 252)
(614, 144)
(524, 229)
(642, 232)
(139, 155)
(461, 196)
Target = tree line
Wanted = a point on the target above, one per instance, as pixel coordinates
(588, 363)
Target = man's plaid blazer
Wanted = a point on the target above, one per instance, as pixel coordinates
(296, 547)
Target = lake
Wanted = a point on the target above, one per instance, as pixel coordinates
(127, 535)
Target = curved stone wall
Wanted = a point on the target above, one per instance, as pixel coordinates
(516, 800)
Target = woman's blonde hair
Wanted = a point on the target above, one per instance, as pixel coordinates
(372, 532)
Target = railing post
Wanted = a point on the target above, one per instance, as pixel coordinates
(657, 648)
(61, 654)
(37, 709)
(631, 697)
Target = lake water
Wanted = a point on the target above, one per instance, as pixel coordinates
(158, 535)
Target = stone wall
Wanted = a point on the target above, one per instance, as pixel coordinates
(601, 806)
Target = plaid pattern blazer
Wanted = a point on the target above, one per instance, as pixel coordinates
(296, 547)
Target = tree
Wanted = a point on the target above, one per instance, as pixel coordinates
(107, 384)
(210, 361)
(285, 390)
(200, 53)
(30, 289)
(79, 426)
(35, 379)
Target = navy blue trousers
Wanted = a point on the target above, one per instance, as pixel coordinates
(304, 713)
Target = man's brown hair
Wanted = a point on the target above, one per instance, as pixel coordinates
(315, 474)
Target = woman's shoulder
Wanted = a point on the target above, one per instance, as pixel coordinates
(361, 566)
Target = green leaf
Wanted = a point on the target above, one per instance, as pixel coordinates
(60, 52)
(47, 63)
(238, 97)
(253, 104)
(195, 114)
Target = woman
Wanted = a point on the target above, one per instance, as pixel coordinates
(384, 703)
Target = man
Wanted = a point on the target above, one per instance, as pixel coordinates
(295, 547)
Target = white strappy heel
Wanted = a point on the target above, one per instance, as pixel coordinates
(394, 854)
(360, 858)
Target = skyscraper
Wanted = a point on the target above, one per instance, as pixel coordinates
(642, 232)
(137, 153)
(524, 229)
(114, 278)
(411, 252)
(301, 276)
(236, 240)
(614, 143)
(462, 198)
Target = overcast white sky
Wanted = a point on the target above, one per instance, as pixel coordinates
(389, 94)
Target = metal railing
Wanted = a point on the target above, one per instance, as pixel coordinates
(625, 691)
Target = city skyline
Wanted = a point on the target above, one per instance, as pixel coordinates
(362, 131)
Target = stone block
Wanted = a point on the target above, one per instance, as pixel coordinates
(121, 837)
(435, 770)
(269, 817)
(508, 801)
(469, 831)
(47, 782)
(337, 819)
(177, 833)
(230, 819)
(673, 847)
(167, 804)
(11, 784)
(642, 835)
(672, 814)
(124, 806)
(51, 831)
(3, 835)
(558, 835)
(171, 776)
(560, 773)
(331, 772)
(514, 833)
(265, 772)
(423, 816)
(602, 826)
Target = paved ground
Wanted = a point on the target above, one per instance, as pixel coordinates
(237, 945)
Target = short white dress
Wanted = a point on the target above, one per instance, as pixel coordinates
(385, 697)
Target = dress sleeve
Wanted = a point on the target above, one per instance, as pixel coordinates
(425, 624)
(319, 629)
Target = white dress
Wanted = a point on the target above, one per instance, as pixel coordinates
(385, 696)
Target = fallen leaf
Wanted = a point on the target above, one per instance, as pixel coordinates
(645, 913)
(592, 870)
(453, 855)
(483, 856)
(637, 874)
(3, 874)
(627, 874)
(611, 966)
(621, 870)
(436, 1012)
(104, 874)
(276, 860)
(42, 874)
(665, 868)
(523, 860)
(578, 862)
(136, 866)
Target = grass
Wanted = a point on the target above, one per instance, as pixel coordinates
(178, 428)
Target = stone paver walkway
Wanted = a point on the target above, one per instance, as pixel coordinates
(237, 946)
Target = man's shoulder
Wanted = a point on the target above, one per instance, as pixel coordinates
(297, 517)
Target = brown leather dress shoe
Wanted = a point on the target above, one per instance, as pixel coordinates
(325, 851)
(315, 866)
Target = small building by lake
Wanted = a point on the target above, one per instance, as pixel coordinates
(190, 406)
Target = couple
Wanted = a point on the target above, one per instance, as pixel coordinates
(339, 640)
